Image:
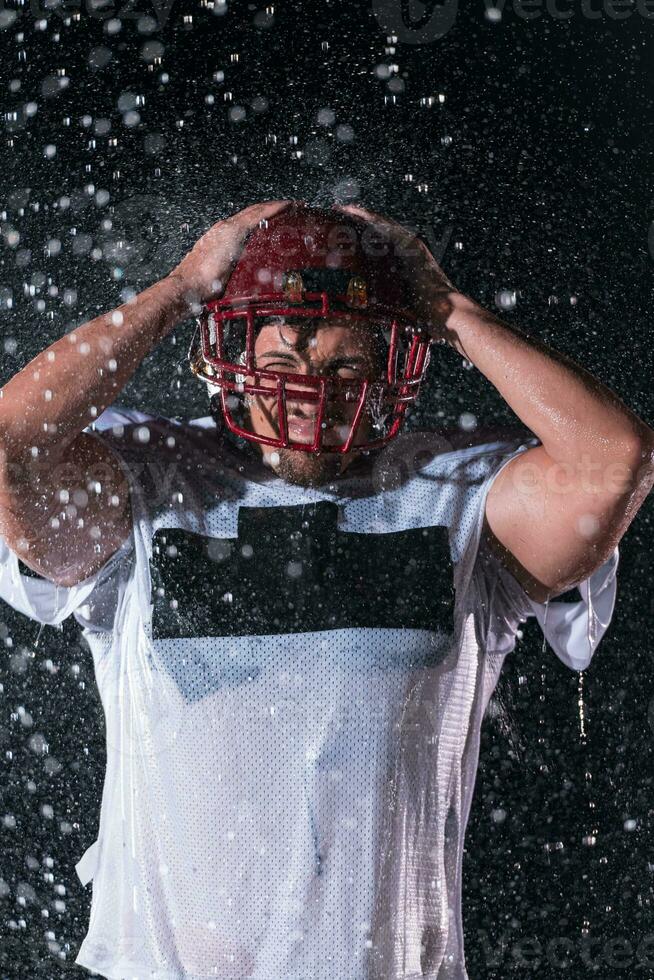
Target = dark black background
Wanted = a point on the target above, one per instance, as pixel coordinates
(533, 175)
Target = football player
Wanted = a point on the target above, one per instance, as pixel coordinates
(297, 613)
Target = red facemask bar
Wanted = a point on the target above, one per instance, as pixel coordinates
(382, 402)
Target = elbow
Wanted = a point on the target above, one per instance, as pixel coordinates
(644, 457)
(637, 454)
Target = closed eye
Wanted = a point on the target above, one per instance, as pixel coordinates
(349, 368)
(279, 361)
(350, 373)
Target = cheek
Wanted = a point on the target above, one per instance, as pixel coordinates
(263, 415)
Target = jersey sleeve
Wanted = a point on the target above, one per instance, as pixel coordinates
(573, 629)
(43, 600)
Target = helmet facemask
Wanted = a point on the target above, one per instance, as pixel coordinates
(267, 404)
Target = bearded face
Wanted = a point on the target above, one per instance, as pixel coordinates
(340, 349)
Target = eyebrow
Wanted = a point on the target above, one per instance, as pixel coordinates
(343, 359)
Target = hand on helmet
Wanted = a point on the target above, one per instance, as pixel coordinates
(431, 285)
(204, 271)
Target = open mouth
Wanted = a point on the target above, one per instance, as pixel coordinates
(302, 430)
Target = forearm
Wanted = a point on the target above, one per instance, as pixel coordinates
(47, 404)
(572, 413)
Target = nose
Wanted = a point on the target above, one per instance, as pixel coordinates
(303, 409)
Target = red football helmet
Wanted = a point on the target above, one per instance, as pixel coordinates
(308, 263)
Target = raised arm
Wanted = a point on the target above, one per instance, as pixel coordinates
(64, 501)
(556, 512)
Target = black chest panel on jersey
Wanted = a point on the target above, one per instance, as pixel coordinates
(292, 571)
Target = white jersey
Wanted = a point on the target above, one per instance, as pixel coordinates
(293, 682)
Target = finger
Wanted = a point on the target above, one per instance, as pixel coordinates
(267, 208)
(248, 217)
(405, 238)
(359, 211)
(373, 216)
(261, 211)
